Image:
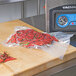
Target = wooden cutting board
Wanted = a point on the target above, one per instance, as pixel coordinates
(29, 61)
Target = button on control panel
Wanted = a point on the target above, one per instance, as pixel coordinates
(73, 23)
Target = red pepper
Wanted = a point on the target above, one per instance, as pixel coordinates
(55, 39)
(1, 60)
(13, 39)
(33, 37)
(9, 59)
(4, 57)
(9, 41)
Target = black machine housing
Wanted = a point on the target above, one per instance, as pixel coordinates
(55, 12)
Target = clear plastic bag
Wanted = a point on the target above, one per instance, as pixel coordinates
(21, 28)
(63, 37)
(56, 48)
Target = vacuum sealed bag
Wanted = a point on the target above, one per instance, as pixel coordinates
(29, 38)
(58, 49)
(55, 43)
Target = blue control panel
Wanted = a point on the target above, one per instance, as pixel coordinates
(64, 20)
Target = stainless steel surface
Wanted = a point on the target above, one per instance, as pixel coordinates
(52, 4)
(10, 1)
(38, 7)
(36, 21)
(33, 7)
(22, 9)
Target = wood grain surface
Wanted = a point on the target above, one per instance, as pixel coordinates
(29, 61)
